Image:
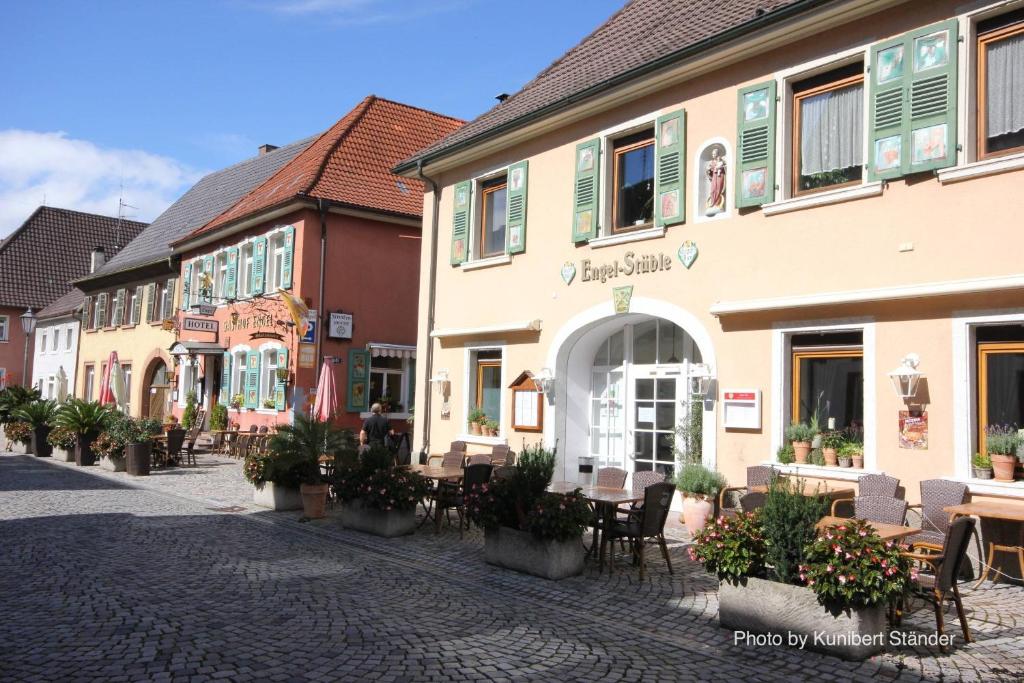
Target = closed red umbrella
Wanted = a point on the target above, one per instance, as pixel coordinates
(106, 391)
(326, 394)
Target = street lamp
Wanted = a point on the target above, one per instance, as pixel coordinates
(28, 324)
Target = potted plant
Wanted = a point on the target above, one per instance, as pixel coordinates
(830, 443)
(700, 487)
(189, 414)
(845, 454)
(800, 435)
(38, 415)
(1001, 445)
(785, 454)
(86, 419)
(526, 528)
(982, 466)
(490, 427)
(109, 452)
(12, 398)
(476, 416)
(19, 436)
(62, 440)
(138, 444)
(375, 496)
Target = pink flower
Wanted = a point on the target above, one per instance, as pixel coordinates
(811, 582)
(803, 577)
(849, 556)
(830, 569)
(842, 579)
(913, 573)
(693, 553)
(719, 545)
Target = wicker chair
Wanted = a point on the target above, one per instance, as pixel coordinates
(945, 567)
(642, 524)
(729, 497)
(453, 459)
(611, 477)
(480, 459)
(641, 480)
(752, 501)
(883, 509)
(936, 496)
(880, 485)
(499, 454)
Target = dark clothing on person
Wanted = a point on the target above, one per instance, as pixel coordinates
(376, 428)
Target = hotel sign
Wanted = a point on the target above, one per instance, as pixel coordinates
(250, 322)
(200, 325)
(630, 264)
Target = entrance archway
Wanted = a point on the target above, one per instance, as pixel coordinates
(576, 412)
(156, 390)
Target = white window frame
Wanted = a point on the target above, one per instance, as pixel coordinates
(275, 250)
(188, 380)
(89, 381)
(55, 344)
(195, 295)
(3, 378)
(244, 279)
(5, 328)
(220, 276)
(781, 391)
(51, 387)
(469, 390)
(268, 375)
(237, 382)
(405, 396)
(43, 334)
(69, 338)
(128, 318)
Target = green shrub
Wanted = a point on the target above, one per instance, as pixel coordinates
(560, 517)
(696, 479)
(789, 520)
(833, 439)
(785, 454)
(18, 432)
(477, 415)
(14, 397)
(219, 417)
(981, 461)
(36, 413)
(83, 417)
(1001, 440)
(61, 437)
(293, 454)
(731, 548)
(189, 416)
(799, 431)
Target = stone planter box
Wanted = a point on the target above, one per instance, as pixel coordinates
(113, 464)
(64, 455)
(277, 497)
(519, 550)
(793, 612)
(15, 447)
(388, 524)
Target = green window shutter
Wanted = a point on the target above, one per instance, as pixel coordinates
(289, 256)
(168, 300)
(150, 302)
(186, 289)
(259, 264)
(357, 397)
(460, 222)
(252, 379)
(86, 310)
(231, 281)
(117, 315)
(755, 144)
(670, 169)
(225, 380)
(211, 275)
(932, 97)
(137, 307)
(888, 111)
(280, 386)
(101, 310)
(586, 193)
(515, 217)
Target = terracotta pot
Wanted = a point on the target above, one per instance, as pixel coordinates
(801, 449)
(1003, 466)
(697, 510)
(314, 499)
(858, 461)
(830, 456)
(474, 428)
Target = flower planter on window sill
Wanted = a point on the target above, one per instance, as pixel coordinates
(520, 551)
(385, 523)
(760, 606)
(822, 472)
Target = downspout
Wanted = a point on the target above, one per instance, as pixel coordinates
(431, 295)
(321, 206)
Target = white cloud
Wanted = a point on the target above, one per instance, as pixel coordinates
(360, 12)
(80, 175)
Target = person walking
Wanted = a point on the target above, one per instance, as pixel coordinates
(376, 428)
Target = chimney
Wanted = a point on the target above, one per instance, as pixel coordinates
(99, 257)
(501, 97)
(267, 148)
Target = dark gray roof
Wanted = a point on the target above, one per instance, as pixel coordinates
(65, 305)
(206, 199)
(643, 36)
(53, 247)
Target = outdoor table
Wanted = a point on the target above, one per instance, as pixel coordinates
(438, 474)
(606, 499)
(1004, 512)
(887, 532)
(219, 440)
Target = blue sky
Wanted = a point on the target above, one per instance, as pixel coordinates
(154, 94)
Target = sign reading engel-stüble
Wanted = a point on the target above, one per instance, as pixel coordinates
(200, 325)
(631, 264)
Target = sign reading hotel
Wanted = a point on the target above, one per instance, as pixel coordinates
(631, 264)
(250, 322)
(199, 325)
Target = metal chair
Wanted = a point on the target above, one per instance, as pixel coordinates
(946, 566)
(642, 524)
(611, 477)
(883, 509)
(479, 459)
(936, 496)
(729, 497)
(451, 496)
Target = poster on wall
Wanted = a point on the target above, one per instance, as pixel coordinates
(914, 430)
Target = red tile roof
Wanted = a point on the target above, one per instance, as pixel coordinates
(351, 164)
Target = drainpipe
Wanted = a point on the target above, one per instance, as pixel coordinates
(431, 294)
(321, 206)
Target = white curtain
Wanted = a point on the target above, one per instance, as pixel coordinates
(831, 130)
(1005, 86)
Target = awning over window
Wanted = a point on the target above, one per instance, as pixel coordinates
(195, 348)
(391, 350)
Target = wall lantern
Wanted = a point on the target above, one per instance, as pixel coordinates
(700, 379)
(906, 377)
(442, 381)
(545, 381)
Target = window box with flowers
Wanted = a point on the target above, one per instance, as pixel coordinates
(780, 573)
(376, 497)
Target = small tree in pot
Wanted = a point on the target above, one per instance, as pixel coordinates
(86, 419)
(476, 418)
(137, 436)
(38, 415)
(700, 486)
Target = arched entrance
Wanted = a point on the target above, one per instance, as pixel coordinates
(156, 390)
(622, 391)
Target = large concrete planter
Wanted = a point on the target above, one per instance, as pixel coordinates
(386, 523)
(16, 447)
(277, 497)
(64, 455)
(793, 613)
(115, 464)
(519, 550)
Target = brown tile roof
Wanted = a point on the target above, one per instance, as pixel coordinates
(65, 305)
(351, 163)
(52, 248)
(641, 36)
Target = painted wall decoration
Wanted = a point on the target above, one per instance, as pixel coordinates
(888, 152)
(688, 253)
(754, 182)
(568, 272)
(914, 429)
(890, 64)
(755, 105)
(928, 144)
(621, 297)
(931, 51)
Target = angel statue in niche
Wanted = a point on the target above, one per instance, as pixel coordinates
(715, 172)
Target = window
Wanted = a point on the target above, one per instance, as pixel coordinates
(828, 130)
(238, 368)
(88, 382)
(5, 322)
(828, 379)
(69, 338)
(188, 382)
(127, 369)
(1000, 378)
(3, 378)
(245, 270)
(268, 378)
(51, 387)
(276, 250)
(493, 217)
(42, 341)
(220, 286)
(487, 383)
(167, 299)
(1001, 85)
(633, 182)
(56, 337)
(99, 312)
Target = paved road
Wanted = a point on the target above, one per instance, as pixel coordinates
(100, 580)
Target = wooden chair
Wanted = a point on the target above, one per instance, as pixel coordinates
(193, 436)
(643, 523)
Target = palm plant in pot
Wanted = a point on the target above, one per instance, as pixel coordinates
(38, 415)
(1001, 442)
(700, 486)
(86, 419)
(800, 434)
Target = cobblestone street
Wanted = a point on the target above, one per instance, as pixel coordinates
(103, 580)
